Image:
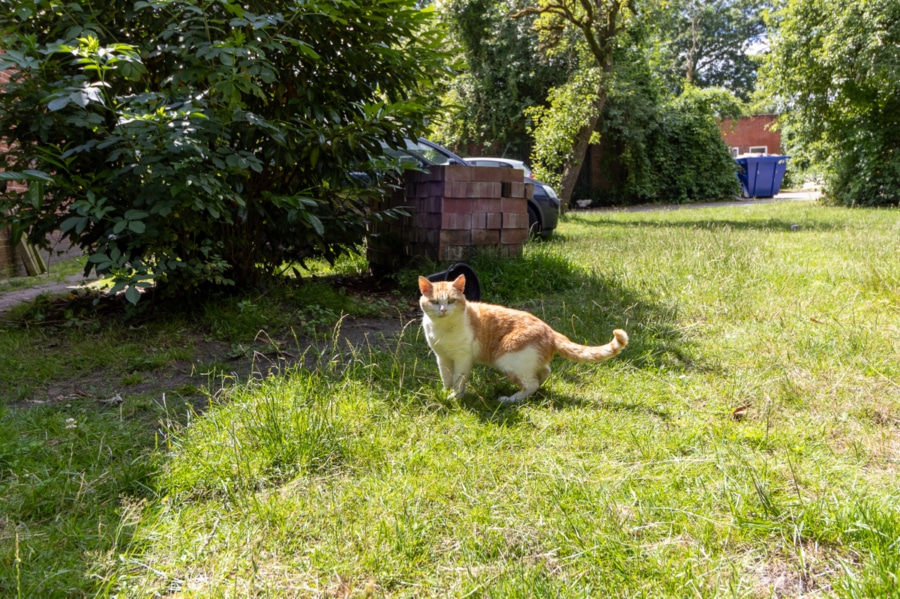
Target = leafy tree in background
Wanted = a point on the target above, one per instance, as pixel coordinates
(834, 69)
(592, 27)
(207, 141)
(503, 71)
(656, 145)
(705, 43)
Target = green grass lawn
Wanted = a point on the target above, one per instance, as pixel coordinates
(746, 443)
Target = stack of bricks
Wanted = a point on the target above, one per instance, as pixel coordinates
(453, 210)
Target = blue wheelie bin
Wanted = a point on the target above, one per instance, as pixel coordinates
(761, 176)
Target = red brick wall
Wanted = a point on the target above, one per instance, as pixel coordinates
(7, 258)
(453, 210)
(7, 245)
(751, 131)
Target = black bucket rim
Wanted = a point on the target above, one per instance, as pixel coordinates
(473, 287)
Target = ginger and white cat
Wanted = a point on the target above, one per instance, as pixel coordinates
(518, 344)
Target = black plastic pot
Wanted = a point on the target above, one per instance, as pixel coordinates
(473, 287)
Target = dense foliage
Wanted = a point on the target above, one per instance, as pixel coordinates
(569, 107)
(709, 43)
(835, 71)
(206, 141)
(655, 145)
(502, 72)
(666, 150)
(592, 30)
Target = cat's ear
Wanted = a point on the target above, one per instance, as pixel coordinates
(460, 283)
(425, 286)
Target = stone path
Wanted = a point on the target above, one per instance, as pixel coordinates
(9, 299)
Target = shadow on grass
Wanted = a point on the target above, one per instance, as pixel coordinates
(703, 221)
(490, 410)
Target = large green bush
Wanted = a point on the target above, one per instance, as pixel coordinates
(659, 149)
(206, 141)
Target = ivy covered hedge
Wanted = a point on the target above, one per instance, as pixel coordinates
(667, 151)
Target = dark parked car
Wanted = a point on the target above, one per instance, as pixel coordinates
(543, 209)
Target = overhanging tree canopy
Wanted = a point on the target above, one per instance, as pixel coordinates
(834, 69)
(194, 141)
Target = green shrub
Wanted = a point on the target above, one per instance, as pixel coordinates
(206, 142)
(665, 150)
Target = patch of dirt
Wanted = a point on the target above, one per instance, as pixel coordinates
(788, 576)
(217, 364)
(214, 364)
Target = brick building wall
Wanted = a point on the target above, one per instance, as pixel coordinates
(750, 134)
(8, 263)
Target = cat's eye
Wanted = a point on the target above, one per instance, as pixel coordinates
(435, 301)
(450, 301)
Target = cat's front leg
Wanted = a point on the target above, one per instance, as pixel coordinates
(461, 375)
(445, 367)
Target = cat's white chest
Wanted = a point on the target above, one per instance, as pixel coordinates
(449, 337)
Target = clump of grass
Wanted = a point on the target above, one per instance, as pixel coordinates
(267, 433)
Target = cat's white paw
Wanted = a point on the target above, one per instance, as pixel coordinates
(509, 399)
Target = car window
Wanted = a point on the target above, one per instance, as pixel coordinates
(418, 153)
(490, 163)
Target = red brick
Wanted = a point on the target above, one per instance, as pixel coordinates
(456, 237)
(513, 189)
(456, 189)
(485, 237)
(486, 205)
(429, 189)
(456, 172)
(490, 173)
(511, 236)
(494, 220)
(479, 221)
(427, 220)
(514, 205)
(452, 220)
(485, 189)
(430, 236)
(515, 220)
(457, 206)
(432, 204)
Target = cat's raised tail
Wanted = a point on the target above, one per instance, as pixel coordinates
(584, 353)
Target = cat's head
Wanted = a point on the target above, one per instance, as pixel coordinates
(443, 298)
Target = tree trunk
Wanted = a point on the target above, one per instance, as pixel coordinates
(579, 149)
